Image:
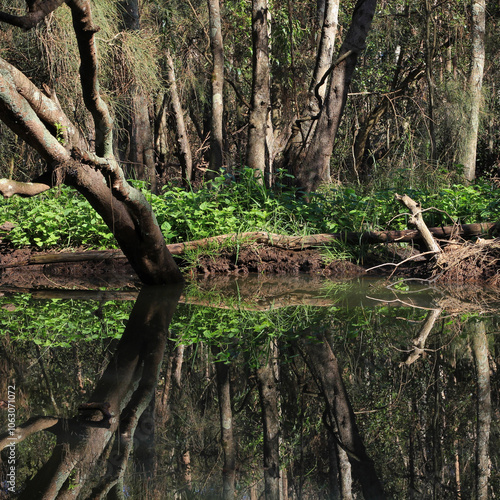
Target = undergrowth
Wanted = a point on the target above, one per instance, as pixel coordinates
(63, 218)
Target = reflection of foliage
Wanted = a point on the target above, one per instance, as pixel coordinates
(58, 322)
(430, 403)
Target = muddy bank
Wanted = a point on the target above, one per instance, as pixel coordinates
(116, 272)
(475, 263)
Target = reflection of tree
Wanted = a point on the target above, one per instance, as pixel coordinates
(480, 350)
(418, 348)
(268, 392)
(226, 426)
(339, 414)
(93, 448)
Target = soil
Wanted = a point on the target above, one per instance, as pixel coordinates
(465, 263)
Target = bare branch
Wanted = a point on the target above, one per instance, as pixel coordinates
(85, 31)
(33, 425)
(17, 113)
(38, 11)
(9, 188)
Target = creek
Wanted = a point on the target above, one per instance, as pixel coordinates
(255, 387)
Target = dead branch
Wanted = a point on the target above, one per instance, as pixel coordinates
(20, 433)
(418, 221)
(9, 188)
(418, 348)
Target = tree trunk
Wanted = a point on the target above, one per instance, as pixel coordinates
(259, 148)
(270, 418)
(183, 148)
(303, 129)
(475, 87)
(141, 151)
(484, 409)
(216, 132)
(315, 168)
(430, 49)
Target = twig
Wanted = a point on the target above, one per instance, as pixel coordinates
(403, 261)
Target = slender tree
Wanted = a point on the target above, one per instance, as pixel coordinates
(217, 116)
(260, 130)
(475, 87)
(183, 147)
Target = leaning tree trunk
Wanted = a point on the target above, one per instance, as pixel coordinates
(259, 149)
(304, 127)
(475, 88)
(36, 118)
(315, 167)
(216, 133)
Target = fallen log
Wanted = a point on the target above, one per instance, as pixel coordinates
(466, 231)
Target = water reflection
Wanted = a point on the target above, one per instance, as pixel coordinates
(261, 389)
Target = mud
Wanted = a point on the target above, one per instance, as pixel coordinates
(462, 264)
(272, 260)
(118, 273)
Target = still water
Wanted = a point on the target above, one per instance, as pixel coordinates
(251, 388)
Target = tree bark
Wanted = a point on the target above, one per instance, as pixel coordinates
(260, 130)
(141, 150)
(183, 147)
(217, 116)
(303, 130)
(315, 168)
(475, 87)
(484, 409)
(270, 419)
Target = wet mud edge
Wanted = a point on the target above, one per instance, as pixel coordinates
(111, 272)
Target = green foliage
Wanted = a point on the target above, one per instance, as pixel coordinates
(58, 322)
(62, 219)
(65, 219)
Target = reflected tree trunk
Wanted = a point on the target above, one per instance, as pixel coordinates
(268, 393)
(226, 425)
(484, 411)
(326, 371)
(108, 422)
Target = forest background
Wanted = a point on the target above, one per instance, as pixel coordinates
(199, 90)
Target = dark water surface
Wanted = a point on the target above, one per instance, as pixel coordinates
(251, 388)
